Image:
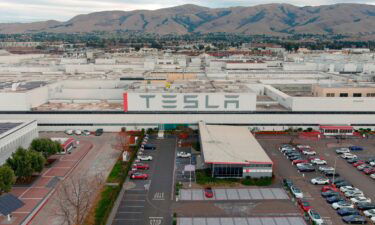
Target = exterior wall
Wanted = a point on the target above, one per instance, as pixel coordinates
(333, 104)
(282, 98)
(259, 121)
(190, 101)
(246, 66)
(20, 136)
(13, 101)
(257, 172)
(322, 91)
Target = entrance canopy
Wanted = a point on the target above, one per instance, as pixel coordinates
(9, 203)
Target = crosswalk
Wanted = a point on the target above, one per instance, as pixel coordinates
(158, 196)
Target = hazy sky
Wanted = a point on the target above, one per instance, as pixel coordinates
(62, 10)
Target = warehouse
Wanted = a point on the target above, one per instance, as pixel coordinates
(14, 134)
(233, 152)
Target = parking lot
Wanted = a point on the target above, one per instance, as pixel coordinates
(325, 148)
(181, 174)
(222, 194)
(149, 201)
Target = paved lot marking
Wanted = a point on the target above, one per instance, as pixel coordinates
(155, 220)
(158, 196)
(241, 221)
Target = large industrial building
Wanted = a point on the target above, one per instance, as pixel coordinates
(233, 152)
(150, 88)
(14, 134)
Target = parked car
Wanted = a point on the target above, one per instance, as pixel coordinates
(69, 132)
(208, 192)
(356, 148)
(348, 188)
(372, 176)
(141, 166)
(308, 152)
(335, 198)
(342, 204)
(347, 212)
(363, 167)
(328, 194)
(354, 219)
(86, 132)
(319, 162)
(352, 160)
(355, 193)
(305, 167)
(325, 168)
(183, 155)
(369, 213)
(365, 206)
(348, 156)
(296, 192)
(315, 217)
(144, 157)
(139, 176)
(360, 199)
(99, 132)
(343, 183)
(342, 150)
(358, 163)
(149, 147)
(331, 173)
(369, 171)
(297, 161)
(287, 183)
(329, 188)
(320, 180)
(304, 204)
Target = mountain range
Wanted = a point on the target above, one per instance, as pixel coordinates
(269, 19)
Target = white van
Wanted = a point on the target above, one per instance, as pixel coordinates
(78, 132)
(69, 132)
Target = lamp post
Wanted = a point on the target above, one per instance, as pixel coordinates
(334, 169)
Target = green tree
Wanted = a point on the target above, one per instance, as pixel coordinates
(20, 162)
(45, 146)
(7, 179)
(26, 162)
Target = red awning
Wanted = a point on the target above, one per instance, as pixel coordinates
(336, 127)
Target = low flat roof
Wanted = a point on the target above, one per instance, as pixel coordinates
(6, 126)
(230, 145)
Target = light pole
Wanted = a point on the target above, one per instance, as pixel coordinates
(334, 170)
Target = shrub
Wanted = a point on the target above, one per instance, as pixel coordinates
(7, 179)
(46, 146)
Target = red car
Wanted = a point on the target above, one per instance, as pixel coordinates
(329, 188)
(304, 204)
(358, 163)
(139, 176)
(369, 171)
(208, 192)
(295, 162)
(141, 166)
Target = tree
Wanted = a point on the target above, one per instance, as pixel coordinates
(7, 179)
(46, 146)
(25, 162)
(123, 140)
(73, 197)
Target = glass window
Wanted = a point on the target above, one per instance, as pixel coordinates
(357, 94)
(343, 94)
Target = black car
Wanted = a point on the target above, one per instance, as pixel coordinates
(331, 173)
(329, 194)
(149, 147)
(99, 132)
(287, 183)
(365, 206)
(294, 157)
(354, 219)
(335, 198)
(306, 168)
(347, 212)
(290, 151)
(353, 160)
(343, 183)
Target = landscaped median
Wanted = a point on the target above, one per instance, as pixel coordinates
(115, 180)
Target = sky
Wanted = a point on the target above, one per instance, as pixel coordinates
(62, 10)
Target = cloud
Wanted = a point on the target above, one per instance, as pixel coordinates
(62, 10)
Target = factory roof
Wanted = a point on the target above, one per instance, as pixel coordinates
(230, 145)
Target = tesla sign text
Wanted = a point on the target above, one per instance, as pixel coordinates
(189, 102)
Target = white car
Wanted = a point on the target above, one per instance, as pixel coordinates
(342, 150)
(372, 163)
(320, 180)
(348, 188)
(86, 132)
(360, 199)
(342, 204)
(369, 213)
(303, 146)
(308, 152)
(372, 176)
(315, 217)
(69, 132)
(183, 155)
(319, 162)
(77, 132)
(144, 157)
(373, 219)
(354, 193)
(296, 192)
(348, 156)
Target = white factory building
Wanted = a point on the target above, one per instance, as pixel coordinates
(150, 89)
(14, 134)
